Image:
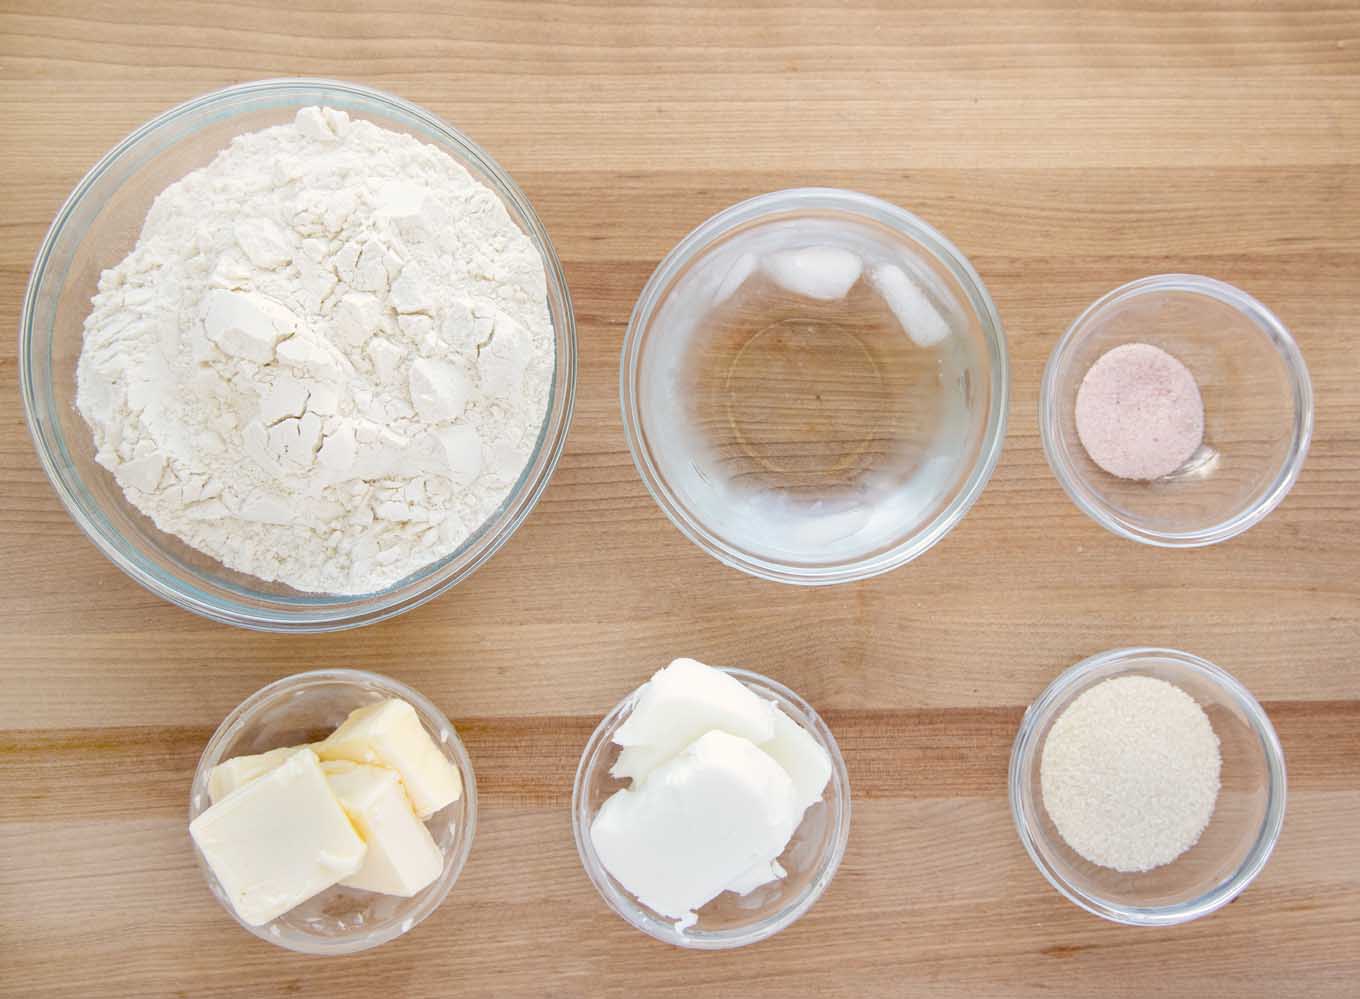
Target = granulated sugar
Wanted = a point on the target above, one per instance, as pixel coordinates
(1139, 413)
(1130, 773)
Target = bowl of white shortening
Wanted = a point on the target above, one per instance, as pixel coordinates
(743, 913)
(297, 355)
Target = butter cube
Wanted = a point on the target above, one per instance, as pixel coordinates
(241, 770)
(402, 856)
(389, 734)
(279, 840)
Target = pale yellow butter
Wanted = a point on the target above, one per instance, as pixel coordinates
(402, 856)
(389, 734)
(241, 770)
(279, 840)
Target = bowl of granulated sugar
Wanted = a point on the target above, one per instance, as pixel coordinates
(1148, 786)
(1176, 411)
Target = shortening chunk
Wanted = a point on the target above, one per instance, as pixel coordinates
(279, 840)
(802, 757)
(238, 771)
(389, 733)
(761, 874)
(700, 823)
(679, 704)
(402, 856)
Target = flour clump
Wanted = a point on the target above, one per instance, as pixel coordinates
(327, 360)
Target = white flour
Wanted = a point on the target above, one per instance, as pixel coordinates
(326, 361)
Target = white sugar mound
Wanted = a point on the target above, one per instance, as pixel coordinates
(1130, 773)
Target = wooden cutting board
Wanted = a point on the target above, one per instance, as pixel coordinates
(1065, 150)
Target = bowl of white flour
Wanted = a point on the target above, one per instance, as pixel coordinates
(297, 355)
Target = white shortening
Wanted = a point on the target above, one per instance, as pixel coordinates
(327, 360)
(721, 778)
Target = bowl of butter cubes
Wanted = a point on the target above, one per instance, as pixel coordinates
(332, 811)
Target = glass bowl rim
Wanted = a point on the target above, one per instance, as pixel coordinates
(311, 613)
(1089, 501)
(931, 241)
(1043, 708)
(726, 939)
(453, 869)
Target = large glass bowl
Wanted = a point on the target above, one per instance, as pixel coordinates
(1241, 833)
(307, 707)
(814, 440)
(1258, 410)
(811, 857)
(99, 225)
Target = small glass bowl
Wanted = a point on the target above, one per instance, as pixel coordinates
(100, 224)
(730, 920)
(1258, 410)
(307, 707)
(809, 441)
(1241, 833)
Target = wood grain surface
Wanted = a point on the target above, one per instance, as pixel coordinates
(1065, 149)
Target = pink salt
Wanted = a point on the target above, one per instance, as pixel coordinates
(1139, 412)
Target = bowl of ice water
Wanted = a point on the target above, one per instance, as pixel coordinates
(814, 386)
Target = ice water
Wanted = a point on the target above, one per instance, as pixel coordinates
(805, 429)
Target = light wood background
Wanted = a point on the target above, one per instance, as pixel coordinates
(1065, 149)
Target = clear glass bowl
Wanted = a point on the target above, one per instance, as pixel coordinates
(99, 225)
(1258, 410)
(305, 708)
(811, 858)
(810, 441)
(1241, 833)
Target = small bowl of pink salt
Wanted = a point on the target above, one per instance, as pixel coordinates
(1176, 411)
